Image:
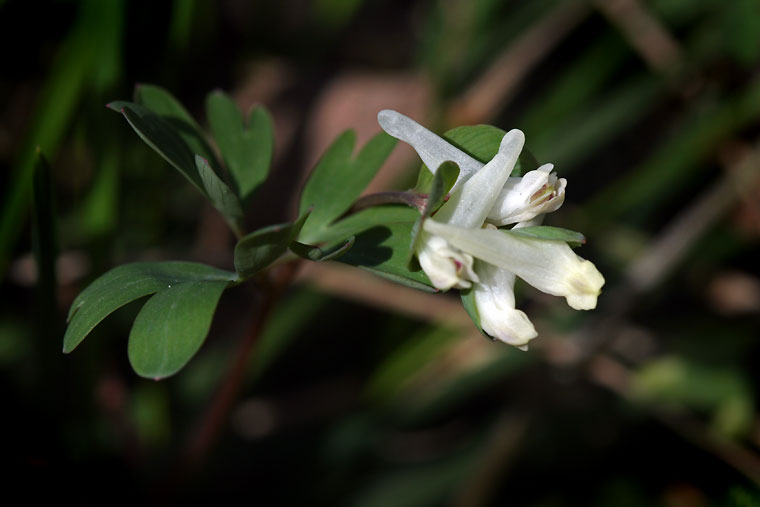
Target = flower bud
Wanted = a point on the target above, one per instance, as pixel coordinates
(522, 199)
(446, 266)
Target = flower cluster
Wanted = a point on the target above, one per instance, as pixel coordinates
(462, 246)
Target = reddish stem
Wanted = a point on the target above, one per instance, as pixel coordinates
(408, 198)
(214, 418)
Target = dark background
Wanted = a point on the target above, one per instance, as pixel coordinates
(360, 392)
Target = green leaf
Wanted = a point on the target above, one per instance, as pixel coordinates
(172, 326)
(247, 151)
(260, 248)
(221, 196)
(366, 219)
(572, 238)
(162, 103)
(315, 253)
(443, 180)
(338, 180)
(127, 283)
(163, 138)
(482, 143)
(383, 250)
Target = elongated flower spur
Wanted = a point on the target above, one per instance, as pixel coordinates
(462, 247)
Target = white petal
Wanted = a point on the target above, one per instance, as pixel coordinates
(522, 199)
(446, 267)
(433, 150)
(549, 266)
(495, 301)
(469, 206)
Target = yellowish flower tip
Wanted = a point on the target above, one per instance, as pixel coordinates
(587, 284)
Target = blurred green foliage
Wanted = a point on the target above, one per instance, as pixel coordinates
(366, 405)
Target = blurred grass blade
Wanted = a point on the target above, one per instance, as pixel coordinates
(180, 30)
(403, 364)
(246, 149)
(572, 90)
(98, 214)
(582, 134)
(172, 326)
(678, 159)
(97, 25)
(420, 485)
(334, 14)
(127, 283)
(678, 381)
(223, 199)
(281, 329)
(44, 238)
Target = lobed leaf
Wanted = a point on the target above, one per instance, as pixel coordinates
(162, 137)
(383, 250)
(172, 326)
(247, 150)
(365, 219)
(338, 180)
(128, 283)
(162, 103)
(221, 196)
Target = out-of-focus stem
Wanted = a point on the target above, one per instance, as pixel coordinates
(213, 419)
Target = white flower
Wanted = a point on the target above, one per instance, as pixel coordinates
(446, 267)
(495, 301)
(550, 266)
(458, 249)
(520, 199)
(432, 149)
